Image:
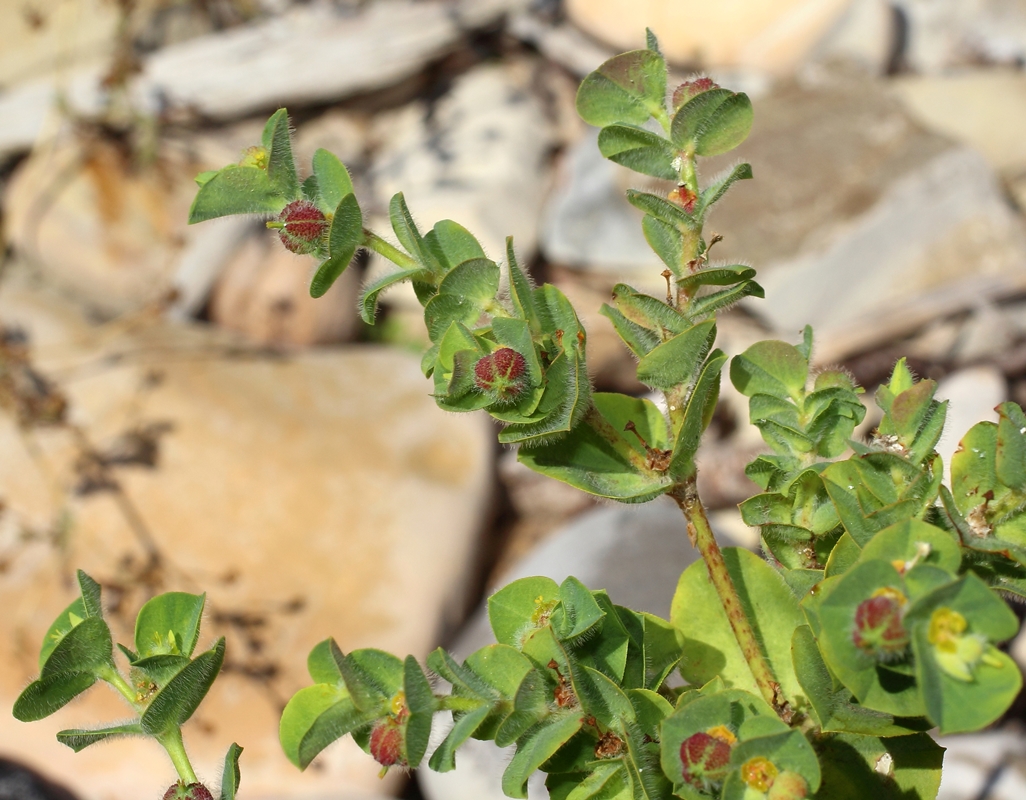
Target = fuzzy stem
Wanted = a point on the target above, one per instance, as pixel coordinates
(701, 535)
(114, 678)
(448, 702)
(374, 242)
(172, 742)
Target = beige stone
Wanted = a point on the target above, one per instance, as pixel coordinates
(99, 228)
(984, 108)
(264, 293)
(322, 495)
(47, 37)
(771, 35)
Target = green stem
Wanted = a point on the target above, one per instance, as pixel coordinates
(701, 535)
(172, 742)
(374, 242)
(113, 677)
(448, 702)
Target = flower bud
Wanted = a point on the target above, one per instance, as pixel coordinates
(705, 759)
(788, 786)
(759, 773)
(301, 226)
(690, 89)
(501, 374)
(192, 791)
(957, 652)
(879, 630)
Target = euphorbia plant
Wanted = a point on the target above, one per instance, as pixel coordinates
(812, 673)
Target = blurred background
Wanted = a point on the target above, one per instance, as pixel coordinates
(177, 414)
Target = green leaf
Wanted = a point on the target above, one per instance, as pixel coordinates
(409, 236)
(771, 367)
(520, 290)
(90, 595)
(719, 186)
(832, 703)
(601, 697)
(666, 240)
(732, 708)
(236, 190)
(697, 415)
(628, 88)
(169, 624)
(281, 167)
(160, 669)
(900, 768)
(675, 361)
(710, 648)
(444, 757)
(957, 705)
(343, 241)
(420, 700)
(66, 620)
(463, 296)
(46, 695)
(324, 663)
(577, 613)
(716, 276)
(79, 740)
(85, 648)
(662, 209)
(647, 311)
(914, 541)
(650, 709)
(881, 687)
(1010, 447)
(691, 117)
(640, 340)
(537, 748)
(590, 462)
(726, 127)
(638, 149)
(369, 296)
(530, 705)
(521, 607)
(315, 717)
(177, 701)
(717, 301)
(456, 243)
(333, 181)
(372, 677)
(230, 775)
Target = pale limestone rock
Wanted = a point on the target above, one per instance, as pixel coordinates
(983, 108)
(99, 229)
(314, 53)
(770, 35)
(322, 495)
(946, 34)
(264, 293)
(988, 764)
(47, 37)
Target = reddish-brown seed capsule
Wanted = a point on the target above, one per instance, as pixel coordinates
(191, 791)
(501, 373)
(690, 89)
(386, 743)
(302, 226)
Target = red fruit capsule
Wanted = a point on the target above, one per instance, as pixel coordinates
(191, 791)
(704, 759)
(501, 373)
(301, 226)
(386, 743)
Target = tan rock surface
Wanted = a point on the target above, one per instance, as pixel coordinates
(314, 496)
(766, 34)
(98, 228)
(264, 293)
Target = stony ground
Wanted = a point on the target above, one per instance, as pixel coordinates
(176, 412)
